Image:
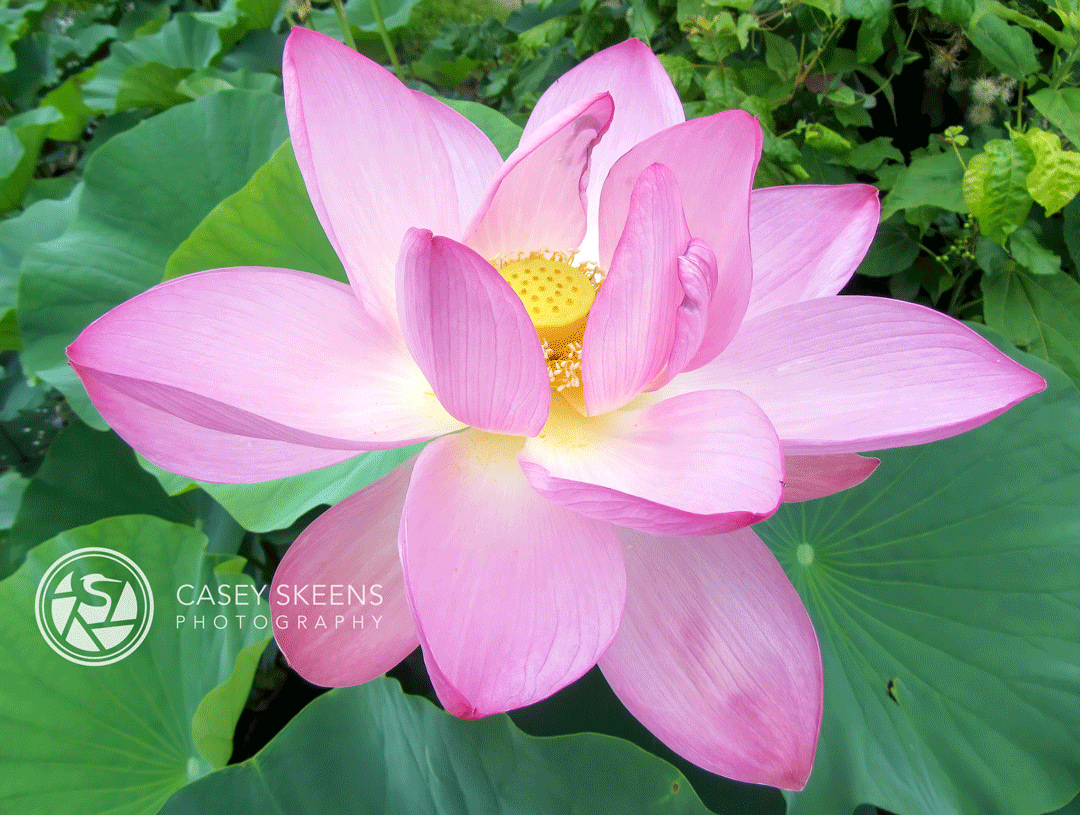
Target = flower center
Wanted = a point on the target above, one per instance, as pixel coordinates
(557, 294)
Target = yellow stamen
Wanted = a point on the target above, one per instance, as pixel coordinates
(557, 293)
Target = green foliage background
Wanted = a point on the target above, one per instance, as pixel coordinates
(143, 139)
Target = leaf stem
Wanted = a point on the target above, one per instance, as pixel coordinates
(376, 12)
(346, 29)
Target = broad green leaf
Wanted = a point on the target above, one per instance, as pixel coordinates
(236, 17)
(373, 748)
(87, 475)
(958, 12)
(1039, 313)
(144, 191)
(1008, 47)
(781, 55)
(21, 138)
(945, 591)
(872, 154)
(267, 222)
(12, 487)
(590, 706)
(39, 222)
(358, 12)
(1055, 179)
(270, 505)
(995, 188)
(1062, 108)
(68, 99)
(928, 181)
(150, 85)
(894, 249)
(1032, 255)
(184, 43)
(121, 738)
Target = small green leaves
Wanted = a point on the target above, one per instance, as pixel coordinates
(1055, 179)
(995, 187)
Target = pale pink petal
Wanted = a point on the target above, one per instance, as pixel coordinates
(699, 463)
(698, 278)
(631, 328)
(807, 241)
(513, 597)
(713, 159)
(340, 613)
(538, 199)
(470, 334)
(850, 374)
(373, 160)
(645, 103)
(264, 355)
(179, 446)
(717, 656)
(474, 160)
(809, 477)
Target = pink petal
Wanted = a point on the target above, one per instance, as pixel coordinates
(538, 199)
(471, 336)
(807, 241)
(849, 374)
(631, 327)
(253, 365)
(514, 597)
(474, 160)
(713, 159)
(703, 462)
(645, 103)
(198, 452)
(809, 477)
(697, 277)
(373, 160)
(344, 568)
(717, 656)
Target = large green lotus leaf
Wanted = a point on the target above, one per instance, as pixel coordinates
(945, 591)
(183, 44)
(270, 505)
(373, 748)
(144, 191)
(267, 222)
(40, 222)
(88, 475)
(121, 738)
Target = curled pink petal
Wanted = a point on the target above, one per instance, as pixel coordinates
(340, 613)
(278, 359)
(809, 477)
(717, 656)
(537, 201)
(713, 159)
(631, 328)
(851, 374)
(703, 462)
(697, 276)
(470, 334)
(513, 596)
(807, 241)
(645, 103)
(373, 160)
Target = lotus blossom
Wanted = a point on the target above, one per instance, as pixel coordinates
(622, 357)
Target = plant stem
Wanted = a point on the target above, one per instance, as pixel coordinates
(385, 36)
(346, 29)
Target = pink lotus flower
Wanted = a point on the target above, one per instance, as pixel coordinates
(595, 505)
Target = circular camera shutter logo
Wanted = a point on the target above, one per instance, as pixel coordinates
(94, 606)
